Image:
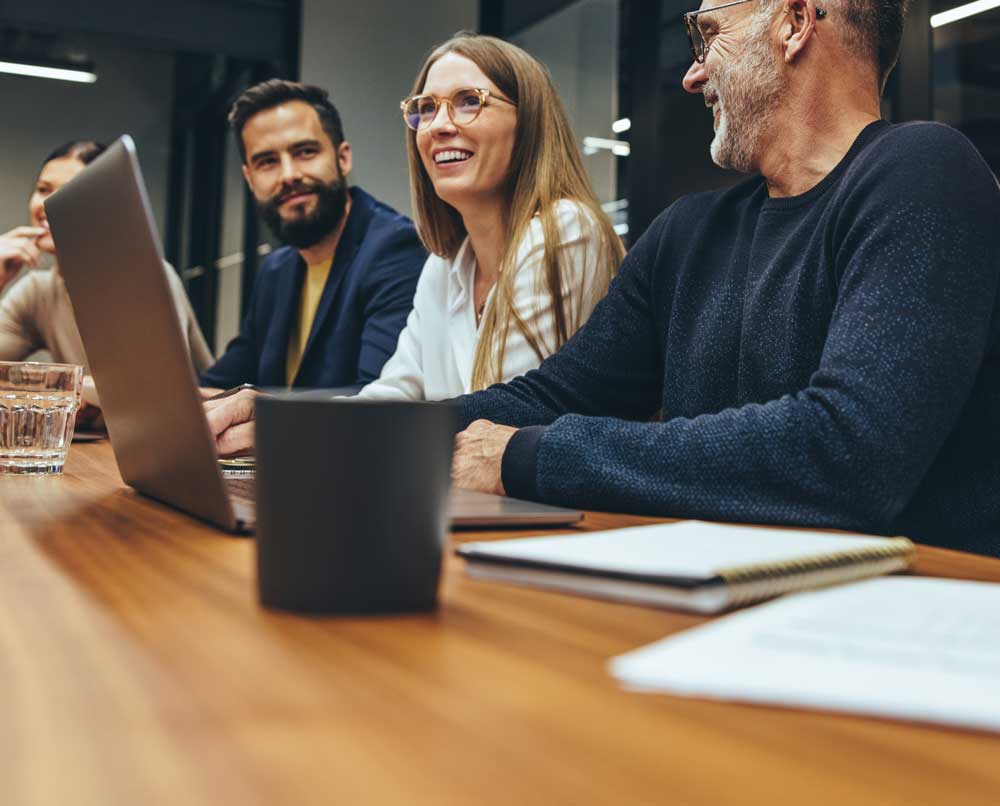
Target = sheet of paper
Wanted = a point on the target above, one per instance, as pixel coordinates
(909, 648)
(693, 549)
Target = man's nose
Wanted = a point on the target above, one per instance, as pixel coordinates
(696, 77)
(289, 168)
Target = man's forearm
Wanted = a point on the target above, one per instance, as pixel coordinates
(611, 366)
(776, 463)
(236, 365)
(520, 461)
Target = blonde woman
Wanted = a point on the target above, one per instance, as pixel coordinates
(521, 250)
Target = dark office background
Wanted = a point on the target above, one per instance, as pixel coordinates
(173, 69)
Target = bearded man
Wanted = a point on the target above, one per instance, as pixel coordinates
(821, 342)
(327, 309)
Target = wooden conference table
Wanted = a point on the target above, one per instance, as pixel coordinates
(136, 667)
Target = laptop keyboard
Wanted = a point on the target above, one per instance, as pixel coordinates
(241, 488)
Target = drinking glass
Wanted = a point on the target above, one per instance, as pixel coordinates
(38, 405)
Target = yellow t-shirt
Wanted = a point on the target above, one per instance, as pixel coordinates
(312, 290)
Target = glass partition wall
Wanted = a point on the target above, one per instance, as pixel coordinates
(579, 45)
(618, 65)
(966, 71)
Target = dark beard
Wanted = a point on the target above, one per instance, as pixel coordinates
(305, 231)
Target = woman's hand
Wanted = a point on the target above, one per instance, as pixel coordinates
(18, 248)
(88, 416)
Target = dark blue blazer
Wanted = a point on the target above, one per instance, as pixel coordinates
(364, 306)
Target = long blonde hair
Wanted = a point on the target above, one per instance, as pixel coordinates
(545, 167)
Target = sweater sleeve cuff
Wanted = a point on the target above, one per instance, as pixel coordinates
(520, 460)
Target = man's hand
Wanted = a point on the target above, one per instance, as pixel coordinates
(478, 457)
(18, 248)
(230, 420)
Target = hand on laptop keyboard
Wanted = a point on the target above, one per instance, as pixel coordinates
(230, 419)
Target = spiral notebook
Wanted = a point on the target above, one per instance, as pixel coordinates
(688, 565)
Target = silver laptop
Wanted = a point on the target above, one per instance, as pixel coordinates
(111, 260)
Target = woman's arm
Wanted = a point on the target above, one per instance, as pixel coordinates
(402, 376)
(19, 334)
(201, 356)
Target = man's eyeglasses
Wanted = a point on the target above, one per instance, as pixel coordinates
(464, 106)
(699, 45)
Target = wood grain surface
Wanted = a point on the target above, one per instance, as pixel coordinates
(136, 667)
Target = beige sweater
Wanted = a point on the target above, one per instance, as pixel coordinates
(36, 314)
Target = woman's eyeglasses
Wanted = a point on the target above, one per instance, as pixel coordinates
(464, 106)
(699, 45)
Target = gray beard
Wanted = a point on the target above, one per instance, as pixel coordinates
(749, 89)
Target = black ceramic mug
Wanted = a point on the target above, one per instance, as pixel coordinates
(351, 502)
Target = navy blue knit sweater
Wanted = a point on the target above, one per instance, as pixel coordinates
(830, 359)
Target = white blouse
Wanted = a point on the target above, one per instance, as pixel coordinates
(435, 352)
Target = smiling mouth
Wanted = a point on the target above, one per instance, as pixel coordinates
(451, 156)
(294, 198)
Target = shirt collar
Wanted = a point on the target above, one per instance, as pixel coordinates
(462, 273)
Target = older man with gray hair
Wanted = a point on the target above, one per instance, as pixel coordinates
(821, 342)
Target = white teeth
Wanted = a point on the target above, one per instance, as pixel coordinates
(451, 156)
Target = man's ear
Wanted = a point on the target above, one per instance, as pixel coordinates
(798, 28)
(244, 163)
(344, 158)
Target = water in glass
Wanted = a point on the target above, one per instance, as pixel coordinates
(38, 405)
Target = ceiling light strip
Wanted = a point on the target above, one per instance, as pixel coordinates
(59, 73)
(617, 147)
(961, 12)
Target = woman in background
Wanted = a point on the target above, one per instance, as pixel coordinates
(36, 313)
(521, 250)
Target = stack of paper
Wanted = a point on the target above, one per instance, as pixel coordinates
(907, 648)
